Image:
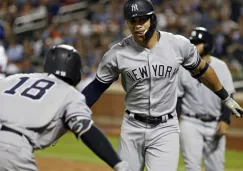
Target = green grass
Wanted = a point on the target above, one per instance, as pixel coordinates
(69, 148)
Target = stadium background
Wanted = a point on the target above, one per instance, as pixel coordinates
(28, 28)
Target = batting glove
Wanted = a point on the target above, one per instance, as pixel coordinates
(122, 166)
(233, 106)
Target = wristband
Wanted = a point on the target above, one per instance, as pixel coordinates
(222, 93)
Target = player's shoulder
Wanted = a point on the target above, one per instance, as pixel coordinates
(71, 93)
(18, 75)
(122, 44)
(215, 59)
(74, 94)
(173, 37)
(119, 47)
(218, 61)
(177, 42)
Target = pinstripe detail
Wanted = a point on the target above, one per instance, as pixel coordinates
(106, 82)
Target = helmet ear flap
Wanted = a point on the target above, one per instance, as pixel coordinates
(208, 48)
(153, 20)
(152, 28)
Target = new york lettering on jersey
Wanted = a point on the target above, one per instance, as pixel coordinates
(158, 70)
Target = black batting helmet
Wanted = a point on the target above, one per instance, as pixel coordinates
(137, 8)
(65, 62)
(202, 35)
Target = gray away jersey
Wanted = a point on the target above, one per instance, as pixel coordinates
(199, 99)
(149, 77)
(38, 105)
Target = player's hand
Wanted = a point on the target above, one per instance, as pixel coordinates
(122, 166)
(233, 106)
(222, 128)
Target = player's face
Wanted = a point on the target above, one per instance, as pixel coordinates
(139, 26)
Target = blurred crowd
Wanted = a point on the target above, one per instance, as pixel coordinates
(94, 29)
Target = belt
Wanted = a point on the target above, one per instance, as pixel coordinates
(4, 128)
(151, 119)
(204, 118)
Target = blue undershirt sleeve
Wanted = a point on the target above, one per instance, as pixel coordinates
(94, 90)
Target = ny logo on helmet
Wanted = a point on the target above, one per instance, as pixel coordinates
(134, 7)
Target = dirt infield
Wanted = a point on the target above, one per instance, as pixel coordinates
(51, 164)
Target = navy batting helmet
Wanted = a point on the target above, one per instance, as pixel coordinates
(65, 62)
(137, 8)
(202, 35)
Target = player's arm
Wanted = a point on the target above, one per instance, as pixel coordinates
(77, 117)
(94, 138)
(94, 90)
(206, 74)
(107, 73)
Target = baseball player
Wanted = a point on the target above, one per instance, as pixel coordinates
(204, 121)
(37, 109)
(148, 61)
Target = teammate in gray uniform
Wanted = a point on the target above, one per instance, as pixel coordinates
(37, 109)
(203, 123)
(148, 61)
